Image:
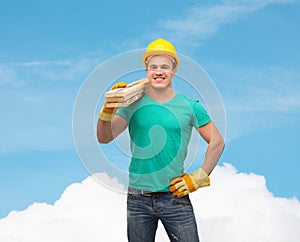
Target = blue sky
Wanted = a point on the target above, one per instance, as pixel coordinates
(48, 48)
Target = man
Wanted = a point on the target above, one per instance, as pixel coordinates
(160, 126)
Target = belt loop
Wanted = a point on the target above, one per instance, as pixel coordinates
(147, 194)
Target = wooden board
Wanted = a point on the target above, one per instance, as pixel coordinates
(121, 97)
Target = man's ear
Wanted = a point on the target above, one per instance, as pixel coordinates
(146, 71)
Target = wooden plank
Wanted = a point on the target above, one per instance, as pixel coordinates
(132, 87)
(121, 97)
(124, 98)
(125, 103)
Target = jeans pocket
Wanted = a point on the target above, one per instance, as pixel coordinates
(182, 203)
(130, 196)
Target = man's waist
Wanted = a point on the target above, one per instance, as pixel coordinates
(145, 192)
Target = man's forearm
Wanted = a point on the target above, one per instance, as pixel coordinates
(213, 154)
(104, 131)
(109, 130)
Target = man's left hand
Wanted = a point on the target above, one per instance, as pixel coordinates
(181, 186)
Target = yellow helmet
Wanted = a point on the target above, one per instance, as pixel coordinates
(160, 47)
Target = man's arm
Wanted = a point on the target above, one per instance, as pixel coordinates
(188, 183)
(212, 136)
(109, 126)
(109, 130)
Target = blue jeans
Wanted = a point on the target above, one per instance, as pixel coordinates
(176, 215)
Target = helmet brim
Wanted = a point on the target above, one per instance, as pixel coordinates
(159, 52)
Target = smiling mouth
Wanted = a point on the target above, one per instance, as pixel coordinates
(159, 78)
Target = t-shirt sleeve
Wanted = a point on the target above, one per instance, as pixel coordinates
(201, 116)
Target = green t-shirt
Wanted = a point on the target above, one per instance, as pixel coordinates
(159, 135)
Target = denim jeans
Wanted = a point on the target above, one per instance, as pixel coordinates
(176, 215)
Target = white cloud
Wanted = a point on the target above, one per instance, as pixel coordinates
(237, 207)
(201, 22)
(266, 88)
(8, 77)
(64, 71)
(265, 93)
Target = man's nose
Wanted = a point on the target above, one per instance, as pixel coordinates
(158, 71)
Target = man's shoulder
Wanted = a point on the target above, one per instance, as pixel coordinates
(187, 99)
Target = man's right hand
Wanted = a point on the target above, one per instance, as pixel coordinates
(106, 113)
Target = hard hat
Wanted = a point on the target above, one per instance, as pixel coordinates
(160, 47)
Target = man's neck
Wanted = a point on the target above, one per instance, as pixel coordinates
(161, 95)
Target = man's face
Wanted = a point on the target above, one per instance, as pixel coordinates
(160, 71)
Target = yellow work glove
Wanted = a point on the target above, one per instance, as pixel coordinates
(106, 114)
(181, 186)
